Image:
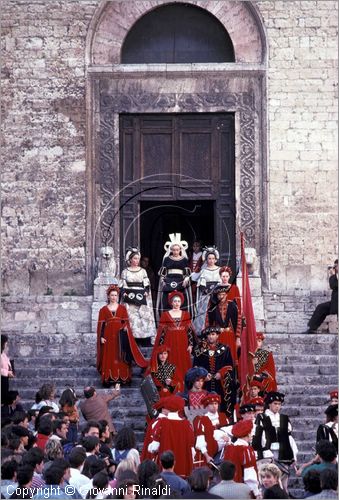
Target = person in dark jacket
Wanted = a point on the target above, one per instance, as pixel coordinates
(270, 477)
(329, 430)
(325, 308)
(199, 481)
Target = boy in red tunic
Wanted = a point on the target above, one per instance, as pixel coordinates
(242, 455)
(264, 366)
(151, 427)
(176, 434)
(210, 438)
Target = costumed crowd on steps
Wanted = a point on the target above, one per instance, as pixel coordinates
(215, 426)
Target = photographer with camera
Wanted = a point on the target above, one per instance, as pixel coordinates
(325, 308)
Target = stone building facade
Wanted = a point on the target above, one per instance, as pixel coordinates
(63, 89)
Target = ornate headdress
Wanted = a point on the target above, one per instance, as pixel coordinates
(130, 252)
(175, 294)
(209, 250)
(175, 239)
(225, 269)
(112, 288)
(260, 336)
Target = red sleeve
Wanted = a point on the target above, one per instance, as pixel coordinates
(198, 425)
(190, 434)
(249, 458)
(156, 430)
(270, 369)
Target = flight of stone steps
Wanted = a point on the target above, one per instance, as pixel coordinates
(306, 372)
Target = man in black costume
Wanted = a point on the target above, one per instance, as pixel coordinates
(325, 308)
(272, 437)
(217, 360)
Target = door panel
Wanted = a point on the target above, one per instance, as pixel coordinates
(182, 158)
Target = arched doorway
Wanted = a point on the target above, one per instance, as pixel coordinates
(117, 90)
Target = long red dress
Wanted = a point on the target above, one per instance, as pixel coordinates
(112, 363)
(177, 335)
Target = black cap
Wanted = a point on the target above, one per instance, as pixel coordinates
(274, 396)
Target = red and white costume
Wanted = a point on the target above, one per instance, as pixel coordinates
(176, 434)
(208, 431)
(242, 455)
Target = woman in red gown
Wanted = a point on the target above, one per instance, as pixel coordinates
(116, 346)
(175, 330)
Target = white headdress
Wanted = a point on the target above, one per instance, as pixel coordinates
(175, 239)
(208, 250)
(131, 251)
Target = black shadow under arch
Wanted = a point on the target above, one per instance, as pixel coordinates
(177, 33)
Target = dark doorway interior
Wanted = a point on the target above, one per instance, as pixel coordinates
(193, 219)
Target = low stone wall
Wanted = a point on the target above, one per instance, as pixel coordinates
(289, 313)
(46, 322)
(62, 325)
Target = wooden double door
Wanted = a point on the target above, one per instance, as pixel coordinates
(177, 174)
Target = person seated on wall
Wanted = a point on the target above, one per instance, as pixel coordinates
(325, 308)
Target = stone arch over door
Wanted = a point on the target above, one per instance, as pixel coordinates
(113, 89)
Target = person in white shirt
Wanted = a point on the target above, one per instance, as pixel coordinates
(76, 460)
(273, 436)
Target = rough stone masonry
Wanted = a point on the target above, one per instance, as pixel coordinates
(45, 181)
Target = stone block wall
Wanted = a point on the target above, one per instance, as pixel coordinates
(302, 114)
(44, 183)
(48, 326)
(43, 118)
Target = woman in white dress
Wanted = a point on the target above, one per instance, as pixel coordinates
(207, 280)
(137, 298)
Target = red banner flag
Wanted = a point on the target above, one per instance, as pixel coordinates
(248, 334)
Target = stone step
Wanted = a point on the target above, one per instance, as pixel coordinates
(324, 369)
(305, 411)
(293, 380)
(319, 400)
(296, 338)
(322, 359)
